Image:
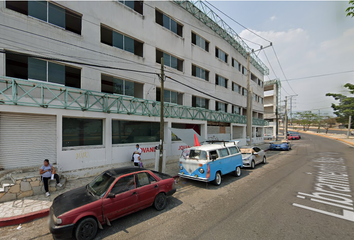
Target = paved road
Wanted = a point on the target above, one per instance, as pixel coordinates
(278, 200)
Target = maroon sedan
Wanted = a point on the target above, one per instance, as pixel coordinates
(111, 195)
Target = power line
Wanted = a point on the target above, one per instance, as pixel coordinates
(320, 75)
(75, 62)
(237, 22)
(71, 44)
(281, 68)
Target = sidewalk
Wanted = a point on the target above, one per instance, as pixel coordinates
(338, 137)
(34, 207)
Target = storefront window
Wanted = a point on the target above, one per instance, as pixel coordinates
(82, 132)
(135, 132)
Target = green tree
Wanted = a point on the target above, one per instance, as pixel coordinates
(350, 9)
(306, 119)
(345, 107)
(329, 122)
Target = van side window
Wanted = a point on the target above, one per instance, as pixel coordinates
(233, 150)
(213, 155)
(223, 152)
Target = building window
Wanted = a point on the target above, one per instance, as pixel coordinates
(169, 60)
(118, 40)
(236, 109)
(244, 92)
(261, 100)
(220, 106)
(200, 42)
(137, 6)
(135, 132)
(221, 54)
(82, 132)
(169, 96)
(200, 72)
(244, 71)
(19, 66)
(236, 64)
(48, 12)
(115, 85)
(221, 81)
(168, 23)
(236, 87)
(200, 102)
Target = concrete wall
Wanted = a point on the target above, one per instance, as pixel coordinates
(45, 39)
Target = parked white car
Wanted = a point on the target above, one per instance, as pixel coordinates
(252, 156)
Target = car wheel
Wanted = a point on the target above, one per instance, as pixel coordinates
(253, 164)
(217, 180)
(237, 172)
(264, 160)
(86, 229)
(160, 202)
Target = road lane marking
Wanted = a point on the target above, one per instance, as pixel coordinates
(347, 215)
(331, 188)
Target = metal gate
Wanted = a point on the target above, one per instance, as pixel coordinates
(27, 139)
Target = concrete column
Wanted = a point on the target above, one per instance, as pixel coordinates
(59, 138)
(2, 65)
(107, 126)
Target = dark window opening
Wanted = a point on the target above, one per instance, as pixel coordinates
(82, 132)
(168, 23)
(48, 12)
(118, 40)
(134, 131)
(18, 6)
(200, 102)
(169, 60)
(24, 67)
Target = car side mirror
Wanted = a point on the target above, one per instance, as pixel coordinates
(111, 195)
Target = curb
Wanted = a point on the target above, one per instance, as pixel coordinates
(334, 138)
(15, 220)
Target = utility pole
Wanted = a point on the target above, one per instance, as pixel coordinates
(249, 97)
(161, 115)
(349, 125)
(249, 108)
(291, 111)
(286, 118)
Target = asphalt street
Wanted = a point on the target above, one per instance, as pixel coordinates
(305, 193)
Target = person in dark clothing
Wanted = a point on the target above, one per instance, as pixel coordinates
(47, 172)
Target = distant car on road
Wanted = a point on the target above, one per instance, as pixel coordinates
(294, 133)
(293, 137)
(111, 195)
(268, 136)
(252, 156)
(284, 145)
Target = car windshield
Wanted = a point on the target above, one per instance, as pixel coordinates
(100, 184)
(194, 154)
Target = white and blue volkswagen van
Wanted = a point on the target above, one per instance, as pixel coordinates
(207, 163)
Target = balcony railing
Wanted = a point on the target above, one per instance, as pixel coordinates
(48, 95)
(206, 15)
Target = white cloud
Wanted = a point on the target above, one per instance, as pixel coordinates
(272, 18)
(301, 54)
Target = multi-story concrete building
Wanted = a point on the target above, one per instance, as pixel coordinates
(271, 107)
(80, 81)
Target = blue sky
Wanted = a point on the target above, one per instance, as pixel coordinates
(310, 38)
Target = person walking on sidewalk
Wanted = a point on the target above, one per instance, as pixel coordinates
(137, 159)
(47, 172)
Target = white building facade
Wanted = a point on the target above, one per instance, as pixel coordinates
(79, 82)
(271, 107)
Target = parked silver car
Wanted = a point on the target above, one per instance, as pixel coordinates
(252, 156)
